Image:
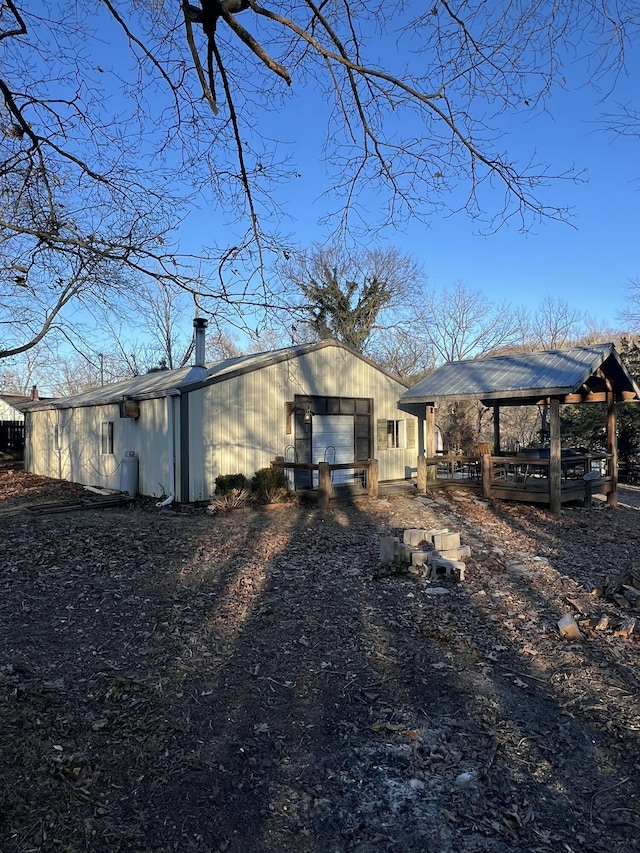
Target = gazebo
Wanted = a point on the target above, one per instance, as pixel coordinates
(588, 374)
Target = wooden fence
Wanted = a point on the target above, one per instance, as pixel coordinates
(12, 437)
(366, 473)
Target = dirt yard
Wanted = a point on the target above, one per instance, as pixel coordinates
(257, 682)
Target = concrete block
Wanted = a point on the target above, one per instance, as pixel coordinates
(416, 571)
(418, 558)
(416, 536)
(405, 553)
(446, 541)
(459, 568)
(389, 548)
(440, 568)
(455, 553)
(446, 568)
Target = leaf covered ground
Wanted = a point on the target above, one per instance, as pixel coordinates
(172, 681)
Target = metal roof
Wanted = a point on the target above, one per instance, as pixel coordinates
(20, 402)
(15, 400)
(521, 376)
(163, 382)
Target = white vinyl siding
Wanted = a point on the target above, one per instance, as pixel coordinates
(244, 420)
(237, 425)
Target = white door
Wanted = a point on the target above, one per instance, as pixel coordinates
(333, 442)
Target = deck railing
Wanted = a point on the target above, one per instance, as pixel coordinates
(518, 473)
(363, 475)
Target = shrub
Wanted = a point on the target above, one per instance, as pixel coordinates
(232, 499)
(270, 485)
(228, 483)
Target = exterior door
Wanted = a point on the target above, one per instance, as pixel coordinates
(333, 442)
(336, 430)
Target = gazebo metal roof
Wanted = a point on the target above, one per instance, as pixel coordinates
(579, 374)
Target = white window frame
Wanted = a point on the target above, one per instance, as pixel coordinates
(106, 439)
(396, 433)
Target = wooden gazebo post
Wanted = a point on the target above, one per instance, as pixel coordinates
(426, 443)
(612, 446)
(496, 429)
(430, 440)
(555, 457)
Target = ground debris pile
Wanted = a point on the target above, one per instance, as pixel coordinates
(181, 682)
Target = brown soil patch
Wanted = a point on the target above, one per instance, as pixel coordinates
(253, 682)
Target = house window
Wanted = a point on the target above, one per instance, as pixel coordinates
(107, 438)
(57, 437)
(396, 434)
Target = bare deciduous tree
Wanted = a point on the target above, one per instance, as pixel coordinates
(631, 313)
(404, 350)
(556, 324)
(426, 118)
(461, 322)
(114, 114)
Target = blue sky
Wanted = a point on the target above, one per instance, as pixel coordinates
(588, 263)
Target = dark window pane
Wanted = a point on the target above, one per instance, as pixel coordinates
(303, 449)
(362, 449)
(363, 426)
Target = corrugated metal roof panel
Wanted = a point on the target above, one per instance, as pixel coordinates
(560, 370)
(157, 384)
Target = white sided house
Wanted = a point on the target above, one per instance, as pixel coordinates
(319, 402)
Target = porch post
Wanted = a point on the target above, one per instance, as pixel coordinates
(496, 429)
(555, 458)
(373, 478)
(421, 470)
(324, 484)
(486, 473)
(421, 475)
(430, 440)
(612, 448)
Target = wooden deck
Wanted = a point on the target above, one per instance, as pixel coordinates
(512, 478)
(522, 478)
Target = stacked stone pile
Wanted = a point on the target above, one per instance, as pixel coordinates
(430, 553)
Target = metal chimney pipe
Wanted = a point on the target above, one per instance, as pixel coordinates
(200, 326)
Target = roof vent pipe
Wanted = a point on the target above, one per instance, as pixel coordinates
(200, 327)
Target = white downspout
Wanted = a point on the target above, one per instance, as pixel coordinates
(171, 449)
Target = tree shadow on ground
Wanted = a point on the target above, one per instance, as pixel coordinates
(248, 683)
